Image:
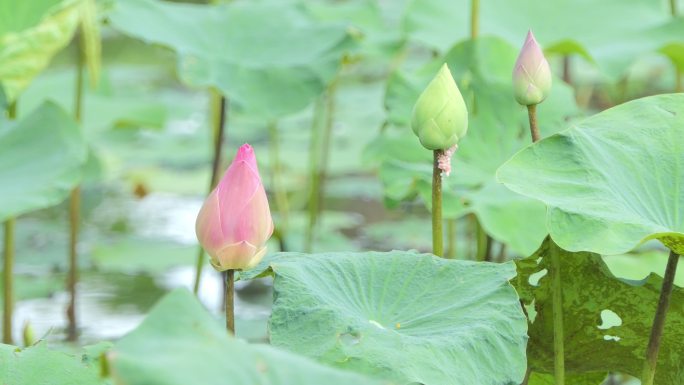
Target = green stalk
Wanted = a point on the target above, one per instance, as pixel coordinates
(474, 18)
(319, 165)
(532, 115)
(483, 243)
(450, 252)
(557, 310)
(556, 288)
(673, 8)
(230, 301)
(75, 205)
(315, 149)
(567, 75)
(276, 175)
(319, 156)
(8, 264)
(327, 139)
(218, 109)
(648, 373)
(502, 253)
(72, 277)
(8, 284)
(437, 232)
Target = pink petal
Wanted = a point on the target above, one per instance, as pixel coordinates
(235, 256)
(208, 225)
(246, 153)
(235, 191)
(254, 223)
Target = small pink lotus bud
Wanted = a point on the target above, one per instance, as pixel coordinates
(235, 220)
(532, 74)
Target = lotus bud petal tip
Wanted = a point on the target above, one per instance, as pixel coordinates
(531, 74)
(440, 117)
(235, 221)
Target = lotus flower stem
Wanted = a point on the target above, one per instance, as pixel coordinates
(276, 173)
(534, 129)
(556, 287)
(502, 253)
(480, 241)
(230, 301)
(8, 264)
(314, 162)
(219, 109)
(567, 70)
(72, 277)
(8, 284)
(557, 310)
(648, 374)
(474, 18)
(673, 8)
(450, 251)
(327, 138)
(75, 204)
(437, 232)
(319, 152)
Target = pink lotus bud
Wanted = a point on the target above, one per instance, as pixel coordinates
(235, 220)
(531, 75)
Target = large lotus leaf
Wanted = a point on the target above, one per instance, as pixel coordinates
(381, 38)
(41, 160)
(39, 365)
(498, 127)
(179, 343)
(31, 33)
(512, 218)
(637, 265)
(270, 58)
(413, 318)
(114, 104)
(612, 180)
(613, 33)
(605, 319)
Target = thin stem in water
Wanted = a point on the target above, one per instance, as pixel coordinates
(673, 8)
(474, 18)
(451, 239)
(230, 301)
(219, 114)
(72, 278)
(648, 373)
(327, 139)
(534, 129)
(276, 175)
(8, 284)
(8, 264)
(75, 203)
(567, 70)
(557, 310)
(437, 232)
(482, 241)
(315, 149)
(319, 157)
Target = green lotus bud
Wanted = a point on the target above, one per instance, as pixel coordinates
(440, 117)
(531, 74)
